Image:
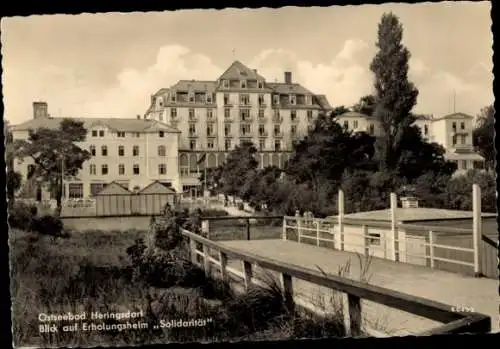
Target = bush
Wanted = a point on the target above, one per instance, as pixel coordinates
(241, 207)
(48, 225)
(21, 216)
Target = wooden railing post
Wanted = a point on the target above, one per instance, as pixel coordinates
(394, 228)
(248, 229)
(299, 226)
(205, 228)
(206, 259)
(247, 270)
(477, 230)
(364, 229)
(283, 234)
(317, 233)
(192, 251)
(431, 248)
(340, 217)
(223, 266)
(354, 303)
(287, 285)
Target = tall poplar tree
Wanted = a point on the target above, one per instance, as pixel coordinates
(395, 96)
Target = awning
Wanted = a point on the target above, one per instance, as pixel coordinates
(463, 156)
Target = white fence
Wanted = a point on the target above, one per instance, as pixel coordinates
(408, 243)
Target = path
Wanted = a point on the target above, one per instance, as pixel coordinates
(456, 290)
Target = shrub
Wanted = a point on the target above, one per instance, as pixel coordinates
(241, 207)
(48, 225)
(21, 216)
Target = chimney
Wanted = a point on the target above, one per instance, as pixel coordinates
(409, 202)
(255, 71)
(138, 117)
(40, 110)
(288, 77)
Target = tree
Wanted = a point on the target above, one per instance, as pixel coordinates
(14, 179)
(53, 151)
(484, 136)
(395, 96)
(366, 105)
(458, 194)
(239, 164)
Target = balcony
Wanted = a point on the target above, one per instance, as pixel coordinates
(294, 120)
(229, 118)
(248, 119)
(193, 135)
(278, 134)
(193, 118)
(463, 148)
(245, 104)
(263, 134)
(277, 118)
(228, 104)
(262, 104)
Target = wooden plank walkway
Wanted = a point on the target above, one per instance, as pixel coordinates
(480, 294)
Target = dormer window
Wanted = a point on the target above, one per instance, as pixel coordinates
(191, 98)
(173, 98)
(260, 84)
(308, 99)
(225, 83)
(276, 99)
(243, 84)
(293, 99)
(209, 99)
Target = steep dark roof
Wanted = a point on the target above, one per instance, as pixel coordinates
(238, 70)
(283, 88)
(194, 86)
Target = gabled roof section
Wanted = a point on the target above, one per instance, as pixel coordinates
(458, 116)
(194, 86)
(353, 114)
(157, 188)
(116, 124)
(285, 89)
(114, 188)
(238, 70)
(323, 102)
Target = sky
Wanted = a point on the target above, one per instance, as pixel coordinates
(108, 65)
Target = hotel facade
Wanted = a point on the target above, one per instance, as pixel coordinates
(131, 152)
(215, 116)
(453, 132)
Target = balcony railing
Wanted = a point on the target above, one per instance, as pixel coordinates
(277, 118)
(193, 118)
(278, 134)
(193, 134)
(246, 118)
(294, 120)
(263, 134)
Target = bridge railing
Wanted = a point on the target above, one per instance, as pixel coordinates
(215, 254)
(242, 227)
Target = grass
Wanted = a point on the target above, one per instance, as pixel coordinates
(91, 272)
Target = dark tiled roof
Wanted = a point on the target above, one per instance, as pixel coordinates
(118, 124)
(283, 88)
(455, 116)
(194, 86)
(354, 114)
(323, 102)
(161, 91)
(238, 70)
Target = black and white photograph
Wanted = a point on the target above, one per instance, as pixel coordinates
(244, 175)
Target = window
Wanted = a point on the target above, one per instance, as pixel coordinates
(262, 144)
(346, 124)
(355, 124)
(121, 150)
(75, 190)
(135, 150)
(104, 150)
(209, 98)
(192, 144)
(426, 130)
(210, 144)
(191, 113)
(92, 150)
(245, 129)
(262, 130)
(121, 169)
(227, 113)
(309, 115)
(277, 145)
(94, 133)
(225, 83)
(226, 99)
(260, 84)
(454, 139)
(244, 114)
(162, 151)
(293, 99)
(276, 99)
(173, 97)
(173, 113)
(244, 99)
(101, 133)
(293, 115)
(96, 188)
(373, 239)
(192, 129)
(191, 98)
(92, 169)
(261, 113)
(210, 129)
(227, 144)
(135, 169)
(137, 135)
(462, 125)
(120, 134)
(162, 169)
(210, 113)
(293, 130)
(276, 130)
(308, 100)
(243, 84)
(227, 129)
(464, 164)
(161, 134)
(454, 126)
(104, 169)
(463, 139)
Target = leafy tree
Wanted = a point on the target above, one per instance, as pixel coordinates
(366, 105)
(54, 151)
(214, 176)
(484, 136)
(239, 165)
(459, 191)
(259, 189)
(395, 96)
(14, 179)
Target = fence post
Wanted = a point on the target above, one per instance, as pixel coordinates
(431, 248)
(477, 230)
(223, 266)
(299, 221)
(206, 260)
(364, 229)
(283, 234)
(317, 233)
(341, 219)
(205, 228)
(247, 270)
(192, 251)
(394, 228)
(248, 229)
(354, 303)
(286, 283)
